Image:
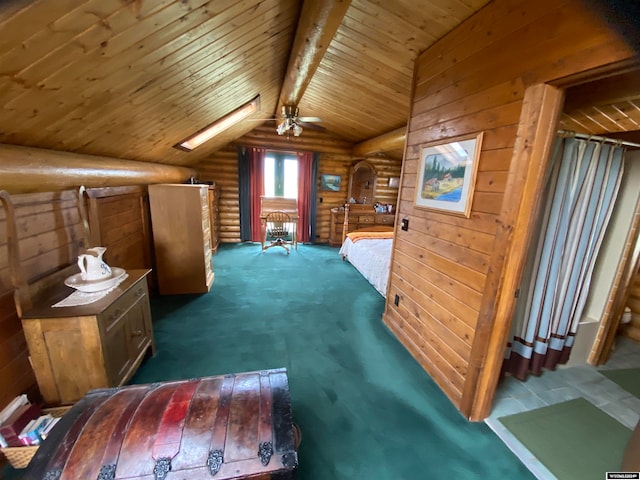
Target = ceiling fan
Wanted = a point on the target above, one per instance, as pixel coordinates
(289, 121)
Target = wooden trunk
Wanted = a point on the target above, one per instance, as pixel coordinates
(224, 427)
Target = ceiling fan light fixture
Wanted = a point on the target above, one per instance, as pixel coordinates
(289, 111)
(219, 126)
(290, 122)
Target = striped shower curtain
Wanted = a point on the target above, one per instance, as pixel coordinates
(581, 192)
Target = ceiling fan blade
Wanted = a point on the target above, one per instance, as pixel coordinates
(309, 119)
(262, 119)
(312, 126)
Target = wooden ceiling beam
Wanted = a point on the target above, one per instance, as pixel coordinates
(28, 170)
(393, 140)
(317, 25)
(616, 89)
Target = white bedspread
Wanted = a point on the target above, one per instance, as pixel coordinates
(371, 258)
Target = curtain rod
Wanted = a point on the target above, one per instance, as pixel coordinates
(584, 136)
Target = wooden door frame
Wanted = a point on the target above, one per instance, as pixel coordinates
(542, 106)
(628, 268)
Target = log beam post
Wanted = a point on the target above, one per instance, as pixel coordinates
(317, 25)
(393, 140)
(29, 170)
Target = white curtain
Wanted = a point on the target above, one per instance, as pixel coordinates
(581, 192)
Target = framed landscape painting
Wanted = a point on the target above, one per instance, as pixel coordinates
(330, 182)
(447, 174)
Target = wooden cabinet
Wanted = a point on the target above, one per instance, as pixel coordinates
(357, 220)
(214, 216)
(99, 345)
(181, 237)
(119, 220)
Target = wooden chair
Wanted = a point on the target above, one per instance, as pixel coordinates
(279, 229)
(278, 204)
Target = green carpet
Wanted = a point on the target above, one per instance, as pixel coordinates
(367, 410)
(573, 439)
(627, 378)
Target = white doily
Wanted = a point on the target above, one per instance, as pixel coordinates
(85, 298)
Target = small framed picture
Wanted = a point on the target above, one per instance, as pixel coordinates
(447, 174)
(394, 182)
(330, 182)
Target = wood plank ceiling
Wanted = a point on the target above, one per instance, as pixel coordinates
(130, 78)
(609, 106)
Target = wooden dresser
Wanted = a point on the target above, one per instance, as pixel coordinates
(362, 216)
(214, 216)
(76, 349)
(181, 237)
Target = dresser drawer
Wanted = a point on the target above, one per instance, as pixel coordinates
(363, 219)
(385, 219)
(112, 314)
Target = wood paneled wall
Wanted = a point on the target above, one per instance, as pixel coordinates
(335, 158)
(50, 236)
(447, 269)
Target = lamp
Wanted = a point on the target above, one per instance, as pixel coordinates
(218, 126)
(290, 122)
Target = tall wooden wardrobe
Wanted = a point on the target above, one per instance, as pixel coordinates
(182, 237)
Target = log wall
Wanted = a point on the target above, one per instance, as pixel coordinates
(222, 168)
(447, 269)
(50, 236)
(335, 158)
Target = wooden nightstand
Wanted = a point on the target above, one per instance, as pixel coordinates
(75, 349)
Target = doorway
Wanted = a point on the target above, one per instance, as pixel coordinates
(609, 107)
(588, 110)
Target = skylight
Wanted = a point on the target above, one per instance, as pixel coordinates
(218, 126)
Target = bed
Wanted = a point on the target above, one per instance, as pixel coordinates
(369, 251)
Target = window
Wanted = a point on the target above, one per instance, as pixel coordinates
(280, 175)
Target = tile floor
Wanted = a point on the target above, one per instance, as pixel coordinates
(514, 396)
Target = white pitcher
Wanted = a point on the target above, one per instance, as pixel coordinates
(92, 267)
